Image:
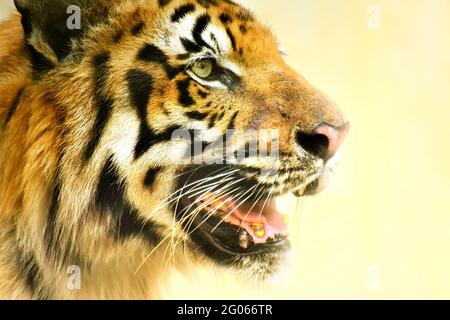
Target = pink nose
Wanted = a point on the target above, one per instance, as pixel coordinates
(324, 141)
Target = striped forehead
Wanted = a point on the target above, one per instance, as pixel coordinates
(194, 30)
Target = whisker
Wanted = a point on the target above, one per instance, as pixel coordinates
(257, 197)
(209, 216)
(204, 180)
(237, 207)
(194, 214)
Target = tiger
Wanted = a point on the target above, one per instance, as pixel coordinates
(99, 198)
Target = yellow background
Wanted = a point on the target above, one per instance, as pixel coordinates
(382, 229)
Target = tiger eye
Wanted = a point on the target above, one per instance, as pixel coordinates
(202, 69)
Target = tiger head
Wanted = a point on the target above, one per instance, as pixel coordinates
(135, 85)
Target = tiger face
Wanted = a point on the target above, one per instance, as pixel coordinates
(129, 86)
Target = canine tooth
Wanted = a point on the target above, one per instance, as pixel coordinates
(300, 192)
(258, 229)
(243, 239)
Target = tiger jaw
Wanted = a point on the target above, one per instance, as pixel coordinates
(234, 228)
(232, 221)
(255, 223)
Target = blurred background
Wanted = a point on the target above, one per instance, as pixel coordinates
(382, 229)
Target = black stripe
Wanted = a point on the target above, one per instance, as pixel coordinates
(131, 225)
(212, 121)
(245, 15)
(232, 124)
(202, 94)
(148, 138)
(53, 232)
(26, 21)
(163, 3)
(232, 38)
(190, 46)
(109, 197)
(230, 2)
(137, 29)
(151, 53)
(182, 11)
(103, 103)
(40, 64)
(221, 115)
(185, 98)
(50, 236)
(199, 28)
(145, 140)
(183, 56)
(12, 110)
(118, 36)
(32, 273)
(225, 18)
(151, 176)
(110, 200)
(197, 115)
(140, 86)
(207, 3)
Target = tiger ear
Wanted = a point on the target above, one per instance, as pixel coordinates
(51, 26)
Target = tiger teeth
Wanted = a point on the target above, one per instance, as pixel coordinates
(300, 192)
(243, 239)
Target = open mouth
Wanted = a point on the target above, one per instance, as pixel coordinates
(227, 225)
(244, 228)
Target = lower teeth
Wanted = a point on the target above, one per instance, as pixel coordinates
(246, 242)
(244, 239)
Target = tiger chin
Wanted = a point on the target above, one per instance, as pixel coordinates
(95, 184)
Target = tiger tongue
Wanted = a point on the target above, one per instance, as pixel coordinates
(261, 220)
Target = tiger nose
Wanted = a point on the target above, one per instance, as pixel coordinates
(324, 141)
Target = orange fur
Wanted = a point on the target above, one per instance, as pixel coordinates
(43, 138)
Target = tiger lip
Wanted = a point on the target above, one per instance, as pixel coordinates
(259, 222)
